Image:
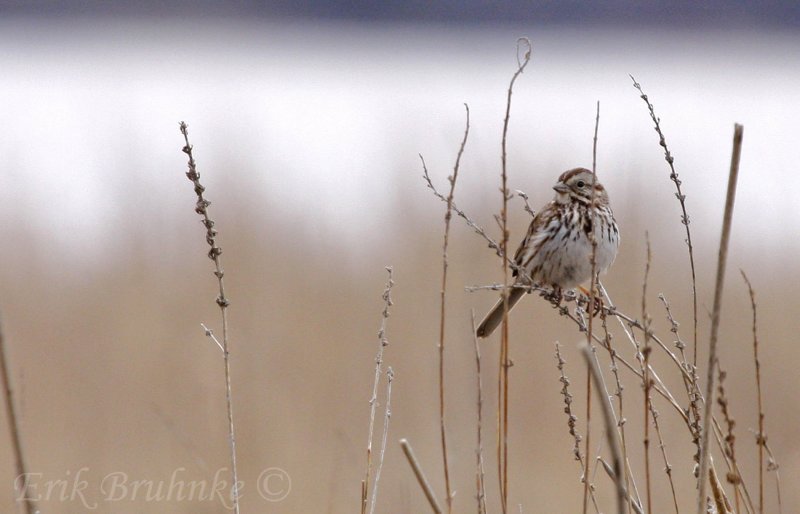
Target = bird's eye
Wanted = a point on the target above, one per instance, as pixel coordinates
(580, 184)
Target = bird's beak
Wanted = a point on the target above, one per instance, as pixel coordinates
(561, 188)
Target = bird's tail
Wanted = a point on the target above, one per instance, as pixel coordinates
(495, 316)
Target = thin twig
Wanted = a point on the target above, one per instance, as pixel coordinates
(611, 432)
(772, 465)
(383, 342)
(681, 199)
(447, 216)
(201, 208)
(527, 207)
(631, 500)
(761, 437)
(387, 416)
(690, 382)
(733, 477)
(712, 350)
(423, 482)
(480, 475)
(645, 369)
(592, 288)
(21, 480)
(572, 420)
(667, 466)
(587, 442)
(505, 363)
(720, 500)
(572, 423)
(612, 353)
(733, 466)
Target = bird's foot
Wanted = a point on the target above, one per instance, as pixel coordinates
(597, 308)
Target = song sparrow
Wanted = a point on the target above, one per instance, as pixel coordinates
(557, 249)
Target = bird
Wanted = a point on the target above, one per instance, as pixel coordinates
(557, 249)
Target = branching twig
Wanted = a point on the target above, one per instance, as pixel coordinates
(572, 423)
(527, 207)
(447, 216)
(387, 416)
(690, 382)
(201, 208)
(383, 342)
(712, 350)
(681, 198)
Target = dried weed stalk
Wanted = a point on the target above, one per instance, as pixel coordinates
(423, 481)
(386, 417)
(572, 423)
(443, 294)
(505, 361)
(673, 175)
(480, 473)
(383, 342)
(592, 291)
(610, 426)
(727, 221)
(21, 481)
(201, 208)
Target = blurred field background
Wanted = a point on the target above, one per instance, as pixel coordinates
(306, 133)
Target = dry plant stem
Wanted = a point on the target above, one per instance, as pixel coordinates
(661, 389)
(610, 429)
(592, 288)
(20, 482)
(760, 436)
(629, 479)
(631, 500)
(572, 422)
(659, 386)
(720, 501)
(733, 466)
(480, 475)
(712, 350)
(645, 371)
(681, 199)
(387, 416)
(505, 364)
(772, 465)
(730, 439)
(447, 216)
(527, 207)
(201, 208)
(587, 442)
(667, 466)
(423, 482)
(690, 382)
(383, 342)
